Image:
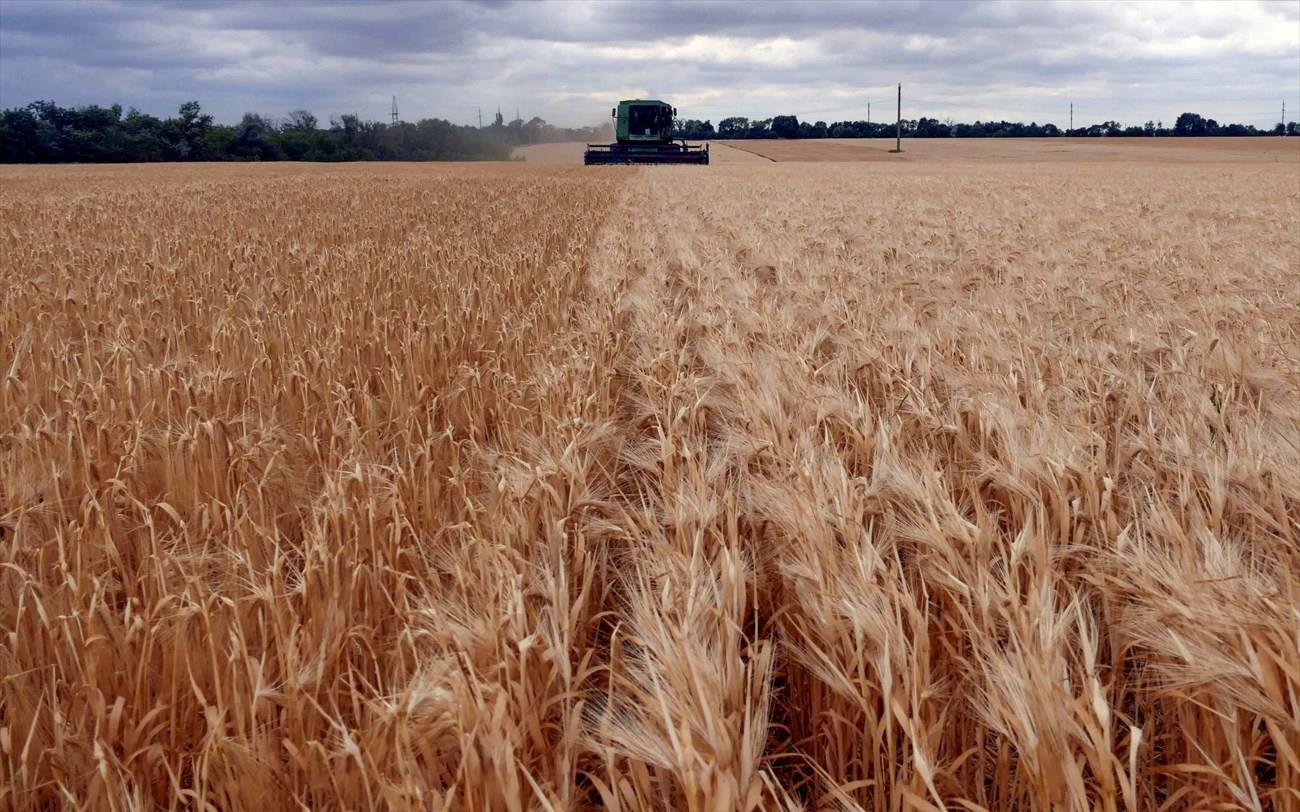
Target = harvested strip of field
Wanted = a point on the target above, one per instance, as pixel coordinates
(502, 487)
(815, 150)
(569, 152)
(989, 495)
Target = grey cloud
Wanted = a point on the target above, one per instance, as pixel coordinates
(567, 60)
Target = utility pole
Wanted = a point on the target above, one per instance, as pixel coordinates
(480, 118)
(1071, 115)
(898, 129)
(394, 109)
(869, 112)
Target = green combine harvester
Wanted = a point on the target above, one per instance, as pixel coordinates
(644, 129)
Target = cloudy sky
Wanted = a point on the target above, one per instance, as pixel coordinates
(569, 61)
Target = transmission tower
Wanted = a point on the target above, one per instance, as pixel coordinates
(394, 109)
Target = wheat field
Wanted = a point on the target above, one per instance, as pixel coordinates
(925, 485)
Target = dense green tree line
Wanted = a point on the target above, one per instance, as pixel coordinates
(44, 132)
(791, 127)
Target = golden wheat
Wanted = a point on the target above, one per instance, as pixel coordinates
(867, 487)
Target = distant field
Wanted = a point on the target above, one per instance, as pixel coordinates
(1035, 150)
(968, 478)
(977, 150)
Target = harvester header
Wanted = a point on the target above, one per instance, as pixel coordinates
(644, 129)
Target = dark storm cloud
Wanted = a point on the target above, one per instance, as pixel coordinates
(567, 61)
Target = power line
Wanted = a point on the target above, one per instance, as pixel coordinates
(1100, 101)
(855, 106)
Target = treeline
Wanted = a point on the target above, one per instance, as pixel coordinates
(1187, 124)
(44, 132)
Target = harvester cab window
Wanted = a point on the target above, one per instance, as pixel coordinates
(645, 120)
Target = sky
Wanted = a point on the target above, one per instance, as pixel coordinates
(569, 62)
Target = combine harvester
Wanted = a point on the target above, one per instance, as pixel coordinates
(644, 129)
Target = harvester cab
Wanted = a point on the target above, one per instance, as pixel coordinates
(644, 129)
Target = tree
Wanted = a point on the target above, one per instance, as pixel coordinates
(252, 139)
(734, 127)
(785, 126)
(20, 142)
(301, 140)
(851, 129)
(348, 126)
(300, 121)
(50, 112)
(693, 130)
(1190, 124)
(191, 125)
(144, 138)
(932, 128)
